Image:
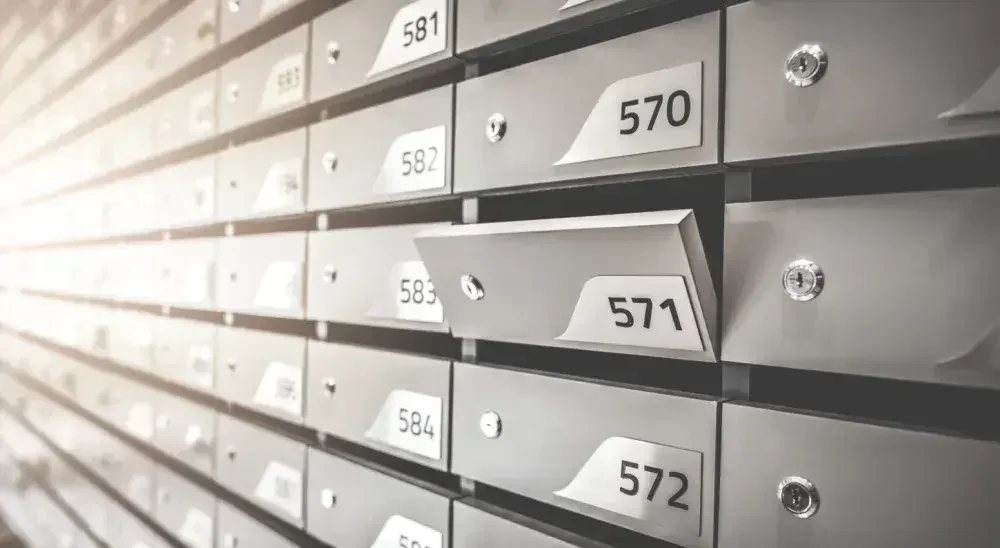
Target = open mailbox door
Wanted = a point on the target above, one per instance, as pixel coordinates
(633, 283)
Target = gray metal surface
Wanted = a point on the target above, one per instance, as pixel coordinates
(185, 431)
(360, 394)
(185, 510)
(395, 151)
(239, 16)
(939, 83)
(483, 23)
(372, 276)
(185, 352)
(263, 467)
(263, 371)
(126, 470)
(877, 486)
(262, 274)
(238, 529)
(186, 194)
(893, 304)
(553, 134)
(577, 265)
(266, 81)
(263, 179)
(357, 519)
(597, 446)
(473, 527)
(371, 42)
(187, 114)
(133, 339)
(189, 271)
(188, 34)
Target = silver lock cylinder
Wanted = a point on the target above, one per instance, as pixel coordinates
(802, 280)
(799, 496)
(329, 161)
(327, 498)
(329, 387)
(329, 274)
(472, 287)
(332, 52)
(231, 453)
(805, 66)
(490, 424)
(496, 127)
(193, 437)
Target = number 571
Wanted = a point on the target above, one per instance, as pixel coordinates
(647, 318)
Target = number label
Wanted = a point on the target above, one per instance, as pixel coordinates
(401, 532)
(641, 311)
(418, 29)
(280, 389)
(280, 287)
(411, 422)
(281, 486)
(197, 528)
(656, 478)
(411, 296)
(653, 112)
(417, 291)
(416, 424)
(282, 187)
(285, 84)
(414, 162)
(628, 320)
(656, 484)
(419, 161)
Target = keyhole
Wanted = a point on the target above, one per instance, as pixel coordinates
(798, 279)
(803, 64)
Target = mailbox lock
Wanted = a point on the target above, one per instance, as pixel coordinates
(229, 540)
(193, 436)
(231, 364)
(472, 288)
(327, 498)
(234, 6)
(799, 496)
(802, 280)
(329, 274)
(329, 162)
(490, 424)
(805, 66)
(231, 453)
(232, 92)
(332, 52)
(330, 386)
(496, 127)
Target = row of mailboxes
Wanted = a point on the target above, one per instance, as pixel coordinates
(790, 89)
(784, 478)
(799, 279)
